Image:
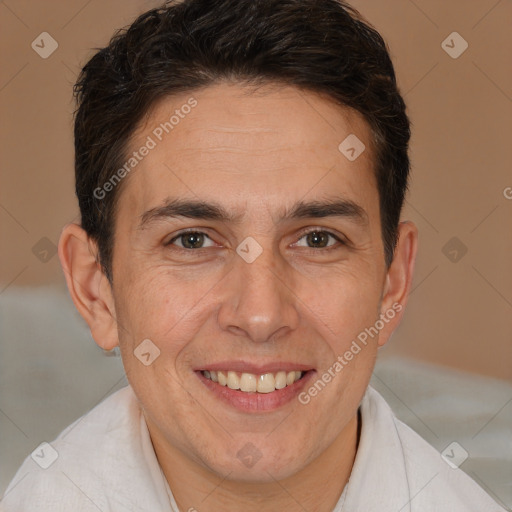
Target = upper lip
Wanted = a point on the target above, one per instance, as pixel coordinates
(251, 367)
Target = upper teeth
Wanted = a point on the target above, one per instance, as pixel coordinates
(265, 383)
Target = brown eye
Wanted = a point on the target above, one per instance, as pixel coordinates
(190, 240)
(318, 239)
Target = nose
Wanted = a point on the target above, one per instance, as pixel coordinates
(260, 302)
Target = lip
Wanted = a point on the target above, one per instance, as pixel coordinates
(250, 367)
(253, 402)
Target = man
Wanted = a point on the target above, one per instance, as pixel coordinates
(240, 170)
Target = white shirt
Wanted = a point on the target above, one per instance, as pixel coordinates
(106, 462)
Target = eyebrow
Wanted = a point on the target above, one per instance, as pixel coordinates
(202, 210)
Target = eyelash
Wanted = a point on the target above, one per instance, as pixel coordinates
(302, 235)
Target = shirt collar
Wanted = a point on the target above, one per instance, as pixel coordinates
(378, 480)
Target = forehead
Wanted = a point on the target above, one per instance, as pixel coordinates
(232, 143)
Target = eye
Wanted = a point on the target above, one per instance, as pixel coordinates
(314, 239)
(319, 239)
(190, 240)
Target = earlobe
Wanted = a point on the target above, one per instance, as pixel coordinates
(89, 288)
(399, 277)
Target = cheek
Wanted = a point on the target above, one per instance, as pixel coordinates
(344, 305)
(156, 318)
(153, 297)
(349, 308)
(160, 305)
(148, 308)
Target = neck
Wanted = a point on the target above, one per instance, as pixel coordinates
(316, 487)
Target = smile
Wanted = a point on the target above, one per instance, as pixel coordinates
(250, 382)
(265, 390)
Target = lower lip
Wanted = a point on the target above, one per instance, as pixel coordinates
(253, 401)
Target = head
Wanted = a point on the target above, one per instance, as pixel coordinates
(274, 133)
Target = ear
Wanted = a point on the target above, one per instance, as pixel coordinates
(88, 286)
(398, 279)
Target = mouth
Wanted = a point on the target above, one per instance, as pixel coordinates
(255, 391)
(250, 382)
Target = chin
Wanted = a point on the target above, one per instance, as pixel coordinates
(250, 466)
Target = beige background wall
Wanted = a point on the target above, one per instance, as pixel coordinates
(460, 312)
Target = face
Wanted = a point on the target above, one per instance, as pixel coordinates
(267, 280)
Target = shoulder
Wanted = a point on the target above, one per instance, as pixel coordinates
(81, 469)
(433, 483)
